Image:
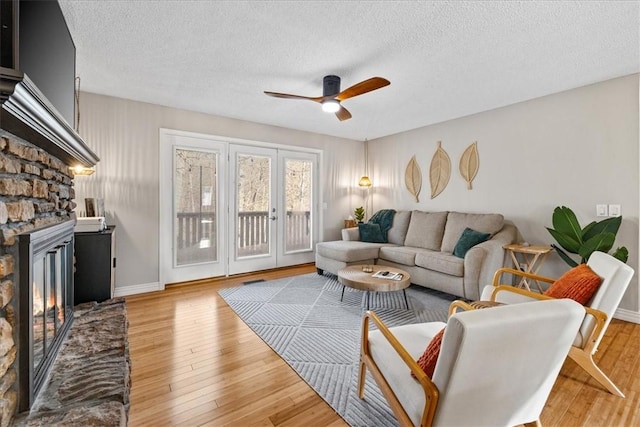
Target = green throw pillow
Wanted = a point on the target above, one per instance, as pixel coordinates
(469, 239)
(371, 233)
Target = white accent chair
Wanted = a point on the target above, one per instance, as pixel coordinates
(616, 276)
(496, 366)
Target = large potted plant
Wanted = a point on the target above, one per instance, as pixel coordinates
(595, 236)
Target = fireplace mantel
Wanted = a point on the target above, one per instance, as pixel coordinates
(25, 111)
(28, 114)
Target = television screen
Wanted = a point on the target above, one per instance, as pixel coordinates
(47, 54)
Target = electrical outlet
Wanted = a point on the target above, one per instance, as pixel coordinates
(614, 210)
(602, 210)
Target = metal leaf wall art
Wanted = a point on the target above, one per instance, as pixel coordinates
(469, 164)
(440, 171)
(413, 178)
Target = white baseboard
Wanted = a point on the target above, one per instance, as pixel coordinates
(627, 315)
(138, 289)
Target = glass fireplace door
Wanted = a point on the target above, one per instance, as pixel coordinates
(39, 312)
(45, 303)
(51, 299)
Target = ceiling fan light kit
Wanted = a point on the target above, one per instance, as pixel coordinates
(330, 106)
(332, 97)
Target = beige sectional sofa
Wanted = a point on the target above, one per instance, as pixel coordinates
(422, 243)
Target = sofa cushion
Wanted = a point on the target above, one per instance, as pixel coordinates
(348, 251)
(399, 254)
(398, 232)
(441, 262)
(457, 222)
(426, 230)
(469, 239)
(371, 233)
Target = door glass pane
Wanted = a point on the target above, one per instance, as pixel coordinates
(195, 198)
(253, 193)
(298, 186)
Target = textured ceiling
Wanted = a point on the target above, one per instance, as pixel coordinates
(444, 59)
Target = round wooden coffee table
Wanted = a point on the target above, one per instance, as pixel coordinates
(353, 277)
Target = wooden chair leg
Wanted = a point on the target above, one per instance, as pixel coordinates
(361, 377)
(586, 362)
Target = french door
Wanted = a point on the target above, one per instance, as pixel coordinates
(192, 200)
(253, 232)
(229, 208)
(298, 202)
(272, 197)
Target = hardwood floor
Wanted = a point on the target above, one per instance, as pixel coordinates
(194, 362)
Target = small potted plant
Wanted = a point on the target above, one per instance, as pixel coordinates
(358, 213)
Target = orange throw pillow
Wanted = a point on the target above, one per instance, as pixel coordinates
(579, 284)
(430, 356)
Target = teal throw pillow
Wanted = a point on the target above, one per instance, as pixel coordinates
(371, 233)
(469, 239)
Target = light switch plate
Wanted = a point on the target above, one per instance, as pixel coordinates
(614, 210)
(602, 210)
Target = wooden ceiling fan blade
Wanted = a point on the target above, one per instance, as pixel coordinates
(343, 114)
(290, 96)
(363, 87)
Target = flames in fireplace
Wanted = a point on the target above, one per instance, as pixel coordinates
(38, 302)
(48, 317)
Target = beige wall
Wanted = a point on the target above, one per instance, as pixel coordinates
(125, 135)
(577, 148)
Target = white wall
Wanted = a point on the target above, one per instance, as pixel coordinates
(577, 148)
(125, 135)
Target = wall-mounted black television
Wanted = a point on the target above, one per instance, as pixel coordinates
(47, 54)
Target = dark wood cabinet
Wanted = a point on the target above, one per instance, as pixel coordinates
(94, 278)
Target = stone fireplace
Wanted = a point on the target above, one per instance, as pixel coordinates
(36, 192)
(37, 148)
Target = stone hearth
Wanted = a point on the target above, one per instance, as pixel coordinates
(89, 381)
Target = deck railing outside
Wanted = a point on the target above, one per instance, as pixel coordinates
(253, 230)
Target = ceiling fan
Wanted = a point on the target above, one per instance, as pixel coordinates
(332, 97)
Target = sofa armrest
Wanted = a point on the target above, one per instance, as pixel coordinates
(352, 233)
(483, 260)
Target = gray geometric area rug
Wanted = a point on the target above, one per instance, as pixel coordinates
(303, 320)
